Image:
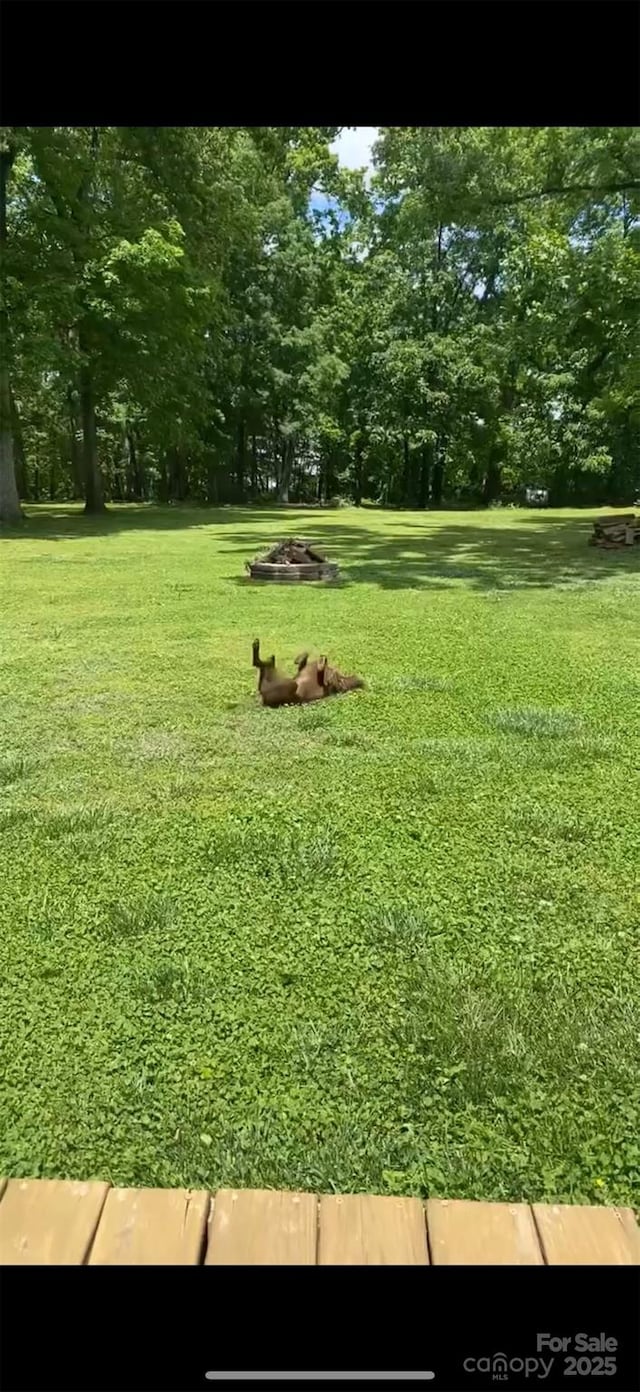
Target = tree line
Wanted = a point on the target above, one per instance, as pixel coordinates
(228, 315)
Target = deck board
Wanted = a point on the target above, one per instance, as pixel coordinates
(59, 1222)
(365, 1230)
(49, 1222)
(627, 1218)
(151, 1227)
(576, 1235)
(262, 1227)
(465, 1233)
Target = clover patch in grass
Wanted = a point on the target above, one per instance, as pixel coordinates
(462, 749)
(312, 717)
(255, 731)
(161, 744)
(348, 739)
(425, 683)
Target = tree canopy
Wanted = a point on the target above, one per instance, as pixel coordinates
(226, 314)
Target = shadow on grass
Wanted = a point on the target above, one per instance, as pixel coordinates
(68, 522)
(539, 552)
(485, 557)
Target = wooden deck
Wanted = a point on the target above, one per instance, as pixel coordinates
(56, 1222)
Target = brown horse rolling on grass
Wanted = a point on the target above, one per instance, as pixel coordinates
(276, 689)
(334, 682)
(313, 682)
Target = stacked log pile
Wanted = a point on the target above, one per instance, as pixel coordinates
(623, 529)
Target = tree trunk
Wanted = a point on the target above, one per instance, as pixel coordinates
(130, 482)
(560, 490)
(118, 473)
(240, 460)
(93, 494)
(407, 481)
(136, 468)
(74, 443)
(175, 480)
(437, 482)
(19, 457)
(173, 476)
(212, 481)
(492, 481)
(10, 510)
(357, 476)
(330, 476)
(254, 467)
(163, 480)
(180, 487)
(425, 477)
(283, 476)
(284, 465)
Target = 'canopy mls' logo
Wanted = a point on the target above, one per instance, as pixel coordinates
(583, 1356)
(499, 1366)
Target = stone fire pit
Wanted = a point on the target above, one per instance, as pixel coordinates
(292, 559)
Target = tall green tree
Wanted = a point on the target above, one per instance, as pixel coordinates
(10, 509)
(225, 313)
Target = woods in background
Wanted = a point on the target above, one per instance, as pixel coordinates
(227, 315)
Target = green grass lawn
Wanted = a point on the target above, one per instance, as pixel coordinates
(385, 942)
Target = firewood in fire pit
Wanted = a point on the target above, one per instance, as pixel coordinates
(292, 559)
